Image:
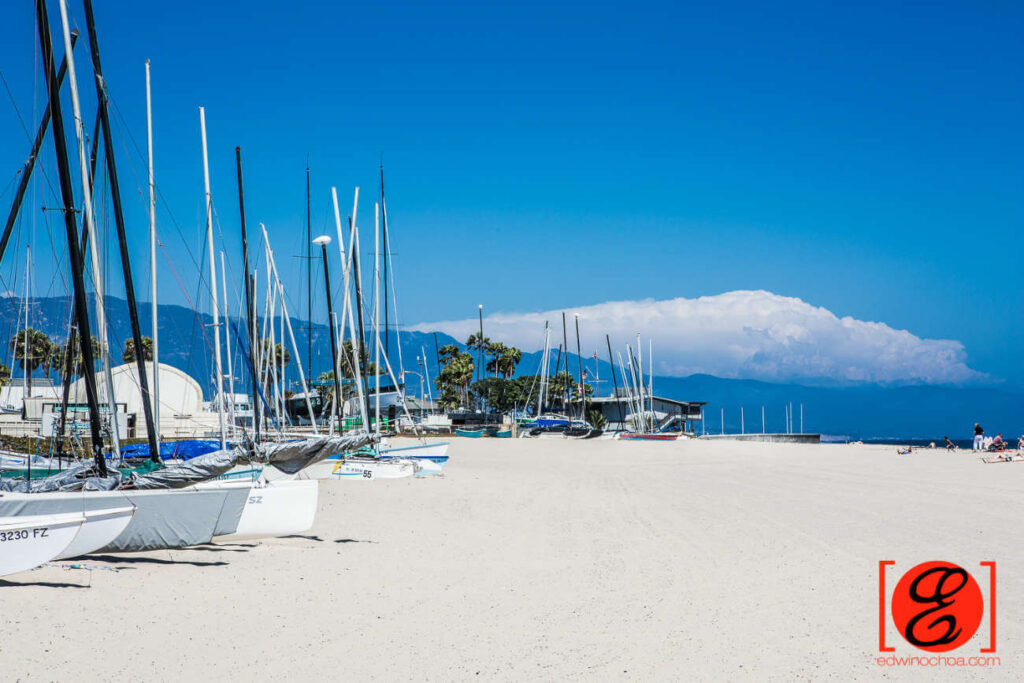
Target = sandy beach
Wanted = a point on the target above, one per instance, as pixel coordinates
(549, 559)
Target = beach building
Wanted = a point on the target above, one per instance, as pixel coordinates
(182, 411)
(13, 394)
(669, 414)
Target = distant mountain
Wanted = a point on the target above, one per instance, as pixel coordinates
(186, 338)
(858, 412)
(864, 411)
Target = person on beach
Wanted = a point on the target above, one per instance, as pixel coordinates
(950, 446)
(979, 436)
(997, 443)
(1020, 443)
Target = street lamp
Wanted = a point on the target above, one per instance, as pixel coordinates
(480, 350)
(322, 241)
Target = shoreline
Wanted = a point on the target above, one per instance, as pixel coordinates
(545, 559)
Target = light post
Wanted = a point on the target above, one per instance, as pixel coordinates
(480, 351)
(322, 242)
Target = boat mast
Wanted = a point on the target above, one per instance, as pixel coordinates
(152, 260)
(227, 344)
(543, 369)
(615, 381)
(26, 374)
(122, 239)
(213, 278)
(90, 222)
(650, 385)
(30, 163)
(376, 313)
(74, 254)
(579, 358)
(358, 305)
(309, 289)
(250, 312)
(348, 262)
(384, 226)
(565, 346)
(322, 242)
(288, 323)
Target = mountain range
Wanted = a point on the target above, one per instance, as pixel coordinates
(857, 411)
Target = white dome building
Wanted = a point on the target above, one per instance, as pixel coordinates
(181, 400)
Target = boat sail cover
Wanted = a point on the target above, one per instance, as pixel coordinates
(292, 456)
(77, 477)
(288, 457)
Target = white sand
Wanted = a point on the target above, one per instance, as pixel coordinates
(549, 559)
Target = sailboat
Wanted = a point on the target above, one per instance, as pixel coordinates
(30, 541)
(93, 506)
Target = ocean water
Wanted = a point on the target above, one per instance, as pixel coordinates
(917, 443)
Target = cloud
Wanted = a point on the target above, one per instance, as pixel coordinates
(743, 334)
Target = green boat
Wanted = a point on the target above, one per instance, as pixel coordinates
(477, 433)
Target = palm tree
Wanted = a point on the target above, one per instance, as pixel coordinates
(596, 418)
(5, 375)
(347, 354)
(561, 385)
(129, 350)
(77, 367)
(31, 348)
(54, 359)
(474, 342)
(480, 344)
(496, 349)
(325, 386)
(455, 375)
(504, 360)
(278, 353)
(447, 352)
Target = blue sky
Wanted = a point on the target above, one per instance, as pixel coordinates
(864, 158)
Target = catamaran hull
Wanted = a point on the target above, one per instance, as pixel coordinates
(429, 468)
(17, 461)
(438, 452)
(164, 518)
(29, 541)
(331, 469)
(648, 437)
(99, 530)
(383, 469)
(279, 508)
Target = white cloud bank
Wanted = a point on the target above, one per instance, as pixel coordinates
(743, 334)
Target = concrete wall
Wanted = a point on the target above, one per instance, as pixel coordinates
(770, 438)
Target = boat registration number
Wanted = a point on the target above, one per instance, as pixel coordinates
(23, 534)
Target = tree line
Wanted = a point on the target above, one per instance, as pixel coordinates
(33, 349)
(498, 388)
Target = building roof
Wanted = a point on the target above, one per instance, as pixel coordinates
(179, 392)
(627, 399)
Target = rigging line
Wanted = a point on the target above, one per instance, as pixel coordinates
(28, 136)
(10, 184)
(200, 285)
(223, 244)
(24, 127)
(156, 186)
(59, 270)
(195, 312)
